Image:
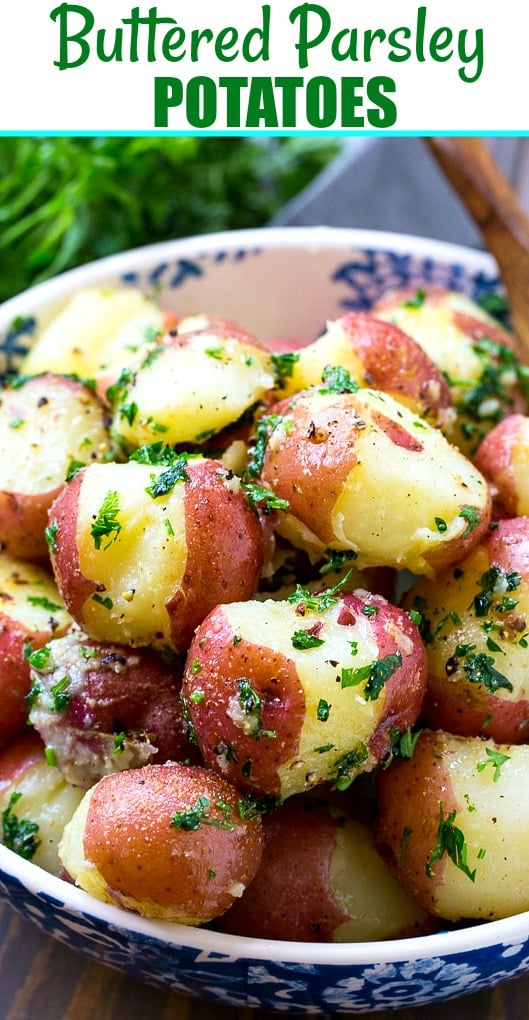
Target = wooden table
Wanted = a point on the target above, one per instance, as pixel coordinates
(42, 980)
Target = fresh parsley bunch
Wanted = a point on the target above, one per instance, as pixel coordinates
(65, 201)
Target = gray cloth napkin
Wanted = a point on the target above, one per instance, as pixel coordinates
(394, 184)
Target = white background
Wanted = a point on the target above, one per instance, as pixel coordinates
(114, 97)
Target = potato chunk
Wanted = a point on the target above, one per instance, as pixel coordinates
(142, 551)
(283, 696)
(454, 824)
(174, 842)
(50, 426)
(362, 472)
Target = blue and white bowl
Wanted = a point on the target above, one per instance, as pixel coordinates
(283, 282)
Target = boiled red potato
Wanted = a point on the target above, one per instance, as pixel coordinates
(453, 823)
(103, 708)
(339, 887)
(282, 696)
(31, 612)
(36, 801)
(471, 348)
(98, 332)
(191, 387)
(49, 427)
(503, 457)
(172, 841)
(361, 472)
(143, 550)
(376, 354)
(475, 623)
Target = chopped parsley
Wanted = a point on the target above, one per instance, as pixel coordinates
(336, 379)
(192, 818)
(347, 767)
(472, 516)
(165, 482)
(41, 658)
(252, 705)
(323, 710)
(156, 454)
(375, 674)
(337, 558)
(257, 450)
(480, 669)
(41, 602)
(304, 639)
(496, 582)
(284, 367)
(494, 758)
(321, 601)
(416, 301)
(50, 534)
(73, 469)
(60, 695)
(105, 523)
(19, 834)
(258, 494)
(450, 841)
(50, 756)
(119, 742)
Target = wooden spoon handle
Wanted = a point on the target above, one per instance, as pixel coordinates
(489, 198)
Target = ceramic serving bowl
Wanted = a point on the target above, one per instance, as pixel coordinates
(276, 283)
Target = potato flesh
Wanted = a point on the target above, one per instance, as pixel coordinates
(387, 507)
(493, 815)
(433, 327)
(365, 889)
(332, 348)
(29, 596)
(48, 800)
(354, 719)
(38, 442)
(98, 327)
(520, 467)
(399, 502)
(145, 564)
(190, 393)
(449, 607)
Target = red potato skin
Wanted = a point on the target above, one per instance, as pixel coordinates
(24, 519)
(74, 587)
(300, 838)
(396, 364)
(472, 327)
(18, 758)
(468, 709)
(406, 800)
(225, 551)
(129, 689)
(225, 570)
(274, 679)
(129, 837)
(14, 674)
(325, 445)
(403, 699)
(494, 459)
(311, 466)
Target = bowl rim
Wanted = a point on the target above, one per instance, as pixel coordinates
(509, 931)
(234, 241)
(478, 935)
